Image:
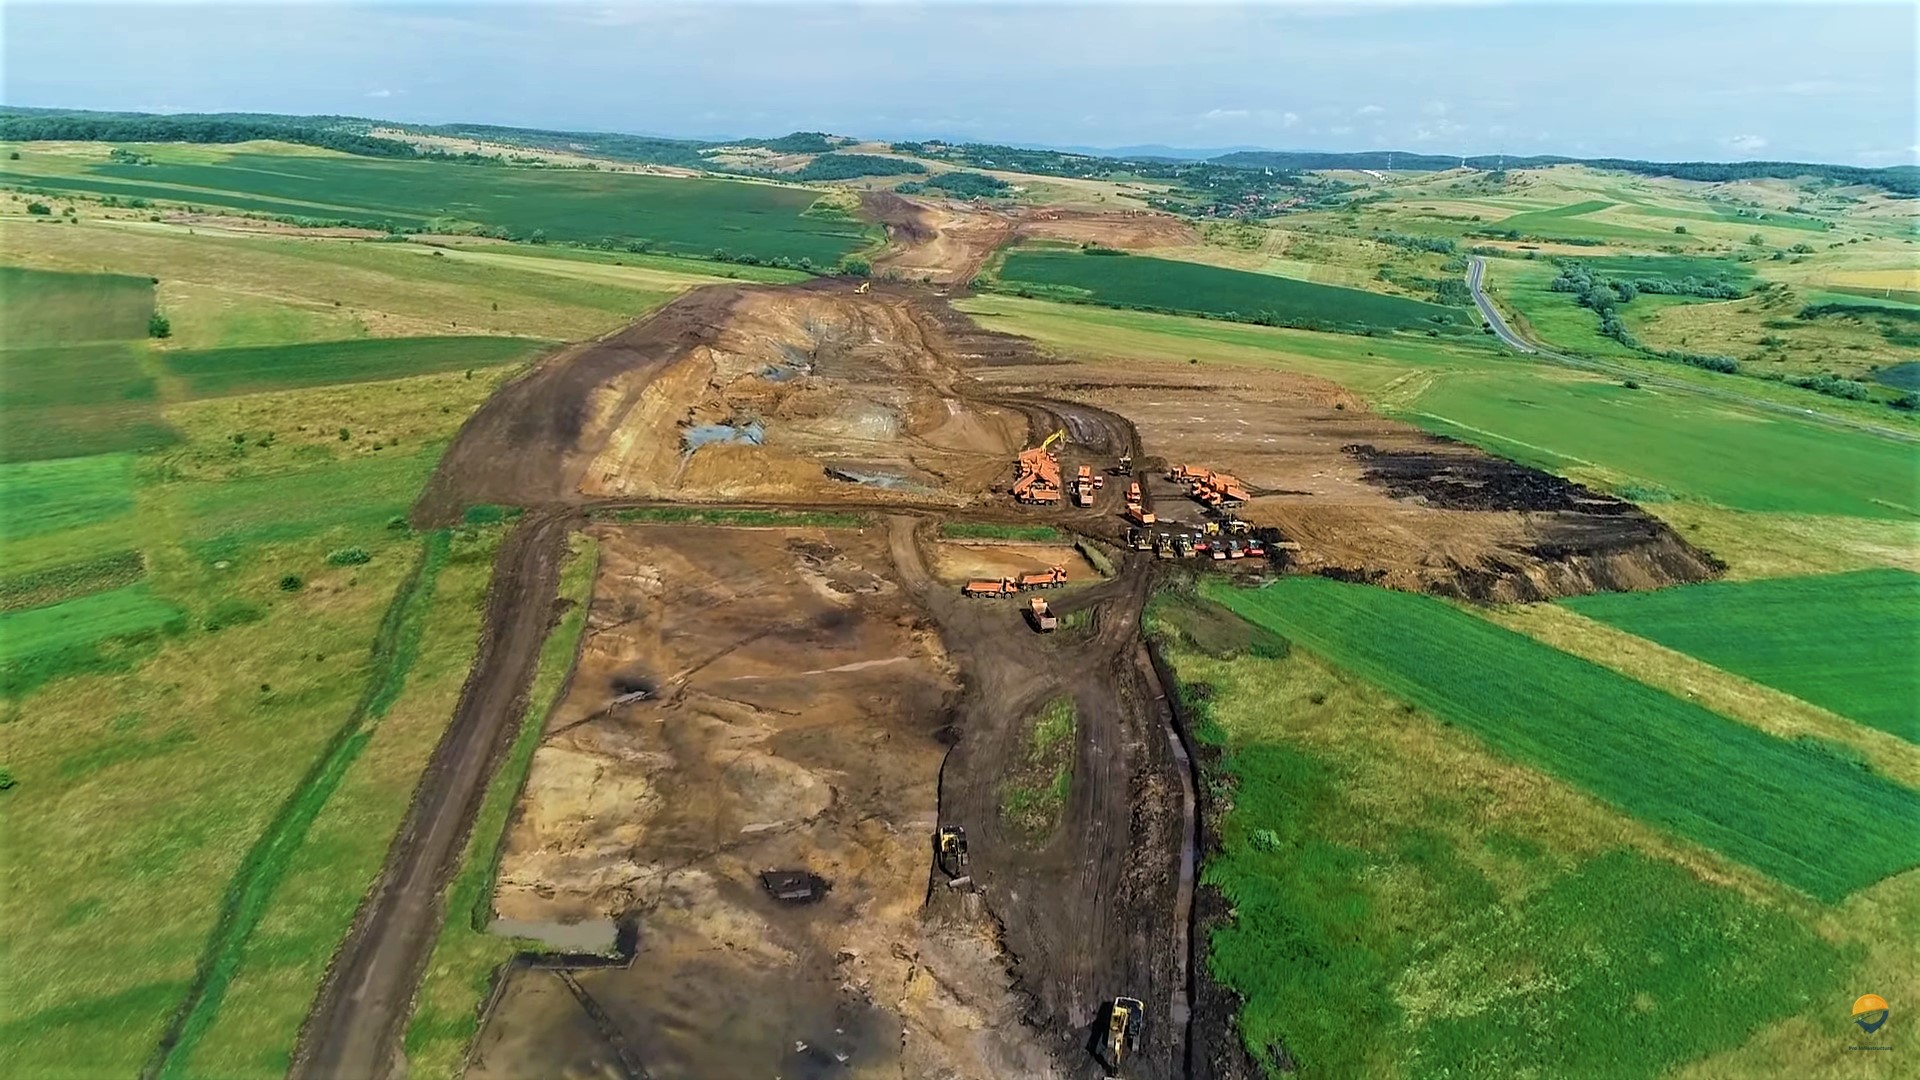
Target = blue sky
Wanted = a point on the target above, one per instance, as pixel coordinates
(1727, 80)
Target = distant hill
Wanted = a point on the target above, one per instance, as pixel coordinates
(354, 135)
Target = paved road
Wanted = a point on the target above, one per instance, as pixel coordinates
(1476, 269)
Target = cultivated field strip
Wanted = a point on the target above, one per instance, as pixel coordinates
(1799, 815)
(1845, 642)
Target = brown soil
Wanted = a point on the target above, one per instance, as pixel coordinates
(1374, 499)
(800, 697)
(821, 700)
(857, 396)
(946, 241)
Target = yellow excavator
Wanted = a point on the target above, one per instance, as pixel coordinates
(864, 288)
(1047, 443)
(1124, 1020)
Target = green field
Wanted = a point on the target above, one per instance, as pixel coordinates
(1672, 267)
(1845, 642)
(86, 634)
(43, 497)
(215, 372)
(1692, 447)
(78, 400)
(1138, 281)
(42, 308)
(1385, 872)
(1777, 806)
(689, 216)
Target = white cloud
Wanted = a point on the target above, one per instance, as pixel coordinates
(1368, 110)
(1340, 129)
(1289, 119)
(1434, 108)
(1744, 143)
(379, 93)
(1225, 114)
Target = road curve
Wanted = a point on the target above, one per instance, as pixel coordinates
(354, 1031)
(1476, 268)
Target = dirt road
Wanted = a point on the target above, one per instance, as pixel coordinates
(353, 1032)
(1085, 911)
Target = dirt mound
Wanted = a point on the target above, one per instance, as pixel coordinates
(946, 241)
(736, 393)
(1376, 499)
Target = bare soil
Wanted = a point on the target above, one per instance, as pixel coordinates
(947, 241)
(799, 703)
(1374, 499)
(822, 700)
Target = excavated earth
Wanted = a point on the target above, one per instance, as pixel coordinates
(1372, 499)
(947, 241)
(753, 699)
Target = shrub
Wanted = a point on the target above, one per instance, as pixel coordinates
(291, 583)
(856, 266)
(6, 775)
(39, 209)
(484, 514)
(349, 556)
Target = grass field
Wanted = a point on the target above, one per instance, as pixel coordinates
(1385, 871)
(688, 216)
(1195, 288)
(1593, 429)
(40, 308)
(64, 494)
(459, 974)
(1034, 793)
(70, 402)
(982, 530)
(90, 633)
(218, 372)
(1691, 447)
(1777, 806)
(1849, 642)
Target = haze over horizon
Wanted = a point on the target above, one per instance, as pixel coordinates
(1703, 81)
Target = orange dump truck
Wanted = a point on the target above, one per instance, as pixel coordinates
(1084, 487)
(1002, 587)
(1043, 617)
(1051, 578)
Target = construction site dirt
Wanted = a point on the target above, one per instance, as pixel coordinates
(820, 700)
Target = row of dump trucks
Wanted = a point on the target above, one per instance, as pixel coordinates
(1210, 488)
(1051, 578)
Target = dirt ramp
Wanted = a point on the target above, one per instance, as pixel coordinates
(530, 443)
(792, 698)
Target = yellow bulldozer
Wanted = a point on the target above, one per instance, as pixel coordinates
(1125, 1019)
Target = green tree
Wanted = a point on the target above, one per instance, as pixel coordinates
(158, 326)
(39, 209)
(1757, 240)
(1681, 229)
(857, 266)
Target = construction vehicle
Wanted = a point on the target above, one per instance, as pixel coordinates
(1125, 466)
(950, 843)
(1256, 548)
(1163, 546)
(865, 287)
(1037, 476)
(1183, 546)
(1211, 528)
(1126, 1018)
(1002, 587)
(1236, 550)
(1138, 540)
(1133, 492)
(1084, 486)
(1051, 578)
(1047, 443)
(1044, 620)
(1219, 550)
(1138, 515)
(1236, 527)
